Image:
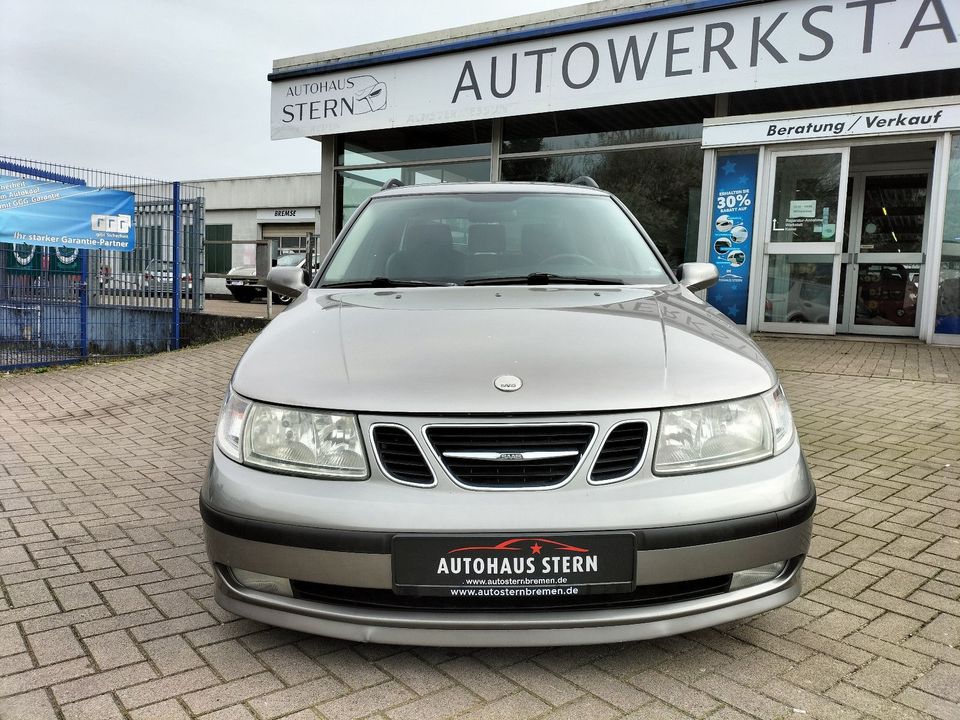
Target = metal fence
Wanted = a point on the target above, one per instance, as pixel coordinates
(62, 305)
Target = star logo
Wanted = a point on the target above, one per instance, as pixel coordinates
(536, 548)
(729, 168)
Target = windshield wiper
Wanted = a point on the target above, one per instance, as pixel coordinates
(542, 278)
(384, 282)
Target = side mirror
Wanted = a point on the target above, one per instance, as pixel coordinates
(286, 280)
(697, 276)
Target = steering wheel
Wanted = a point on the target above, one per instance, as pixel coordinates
(568, 256)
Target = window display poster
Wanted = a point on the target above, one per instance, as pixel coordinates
(731, 233)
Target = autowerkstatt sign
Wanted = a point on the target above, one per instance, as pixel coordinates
(772, 44)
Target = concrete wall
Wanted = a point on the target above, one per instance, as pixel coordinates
(260, 193)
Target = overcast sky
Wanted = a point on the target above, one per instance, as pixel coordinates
(176, 89)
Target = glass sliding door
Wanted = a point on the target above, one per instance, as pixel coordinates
(884, 252)
(804, 211)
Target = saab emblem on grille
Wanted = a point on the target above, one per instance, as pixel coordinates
(508, 383)
(510, 456)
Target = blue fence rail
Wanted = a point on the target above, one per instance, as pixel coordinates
(60, 305)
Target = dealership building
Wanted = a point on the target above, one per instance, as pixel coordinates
(809, 148)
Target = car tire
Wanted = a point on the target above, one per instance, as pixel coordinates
(243, 296)
(282, 299)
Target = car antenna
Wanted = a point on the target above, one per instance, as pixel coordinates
(391, 183)
(585, 180)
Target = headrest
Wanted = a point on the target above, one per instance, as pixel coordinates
(487, 238)
(427, 237)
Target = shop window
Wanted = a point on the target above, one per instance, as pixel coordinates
(355, 186)
(648, 122)
(948, 285)
(661, 186)
(416, 144)
(798, 289)
(217, 251)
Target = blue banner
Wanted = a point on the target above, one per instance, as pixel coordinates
(731, 233)
(53, 214)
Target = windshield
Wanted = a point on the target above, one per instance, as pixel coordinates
(476, 237)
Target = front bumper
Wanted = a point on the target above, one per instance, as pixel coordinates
(339, 533)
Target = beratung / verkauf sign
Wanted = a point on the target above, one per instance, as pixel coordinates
(932, 118)
(53, 214)
(773, 44)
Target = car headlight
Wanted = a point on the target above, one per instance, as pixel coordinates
(707, 437)
(288, 440)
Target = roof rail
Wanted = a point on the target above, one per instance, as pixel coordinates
(585, 180)
(391, 183)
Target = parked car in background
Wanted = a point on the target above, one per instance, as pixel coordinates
(540, 436)
(245, 286)
(158, 278)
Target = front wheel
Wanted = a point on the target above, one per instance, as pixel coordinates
(282, 299)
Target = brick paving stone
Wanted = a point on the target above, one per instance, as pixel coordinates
(363, 703)
(291, 664)
(349, 667)
(166, 710)
(169, 686)
(519, 706)
(11, 641)
(942, 681)
(479, 678)
(585, 708)
(298, 697)
(28, 706)
(113, 649)
(102, 682)
(541, 682)
(172, 654)
(448, 703)
(414, 673)
(611, 690)
(102, 707)
(680, 695)
(229, 693)
(55, 646)
(241, 712)
(231, 660)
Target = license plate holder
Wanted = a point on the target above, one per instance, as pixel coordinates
(518, 566)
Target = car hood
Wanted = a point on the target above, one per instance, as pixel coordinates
(438, 350)
(243, 270)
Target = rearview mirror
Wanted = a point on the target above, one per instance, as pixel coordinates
(286, 280)
(697, 276)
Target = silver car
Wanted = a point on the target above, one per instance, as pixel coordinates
(503, 420)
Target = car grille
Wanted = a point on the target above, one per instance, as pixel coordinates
(400, 456)
(621, 454)
(644, 595)
(492, 456)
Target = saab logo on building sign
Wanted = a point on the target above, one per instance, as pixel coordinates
(322, 99)
(110, 223)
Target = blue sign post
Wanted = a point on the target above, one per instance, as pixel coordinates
(731, 233)
(54, 214)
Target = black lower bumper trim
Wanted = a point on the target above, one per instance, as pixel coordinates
(359, 541)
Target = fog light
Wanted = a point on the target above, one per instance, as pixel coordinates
(757, 575)
(263, 583)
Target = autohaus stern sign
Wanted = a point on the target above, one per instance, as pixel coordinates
(773, 44)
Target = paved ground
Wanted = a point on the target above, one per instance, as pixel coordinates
(106, 611)
(229, 306)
